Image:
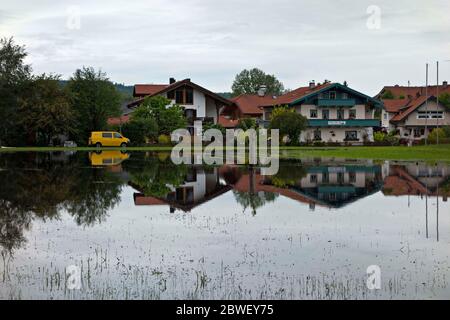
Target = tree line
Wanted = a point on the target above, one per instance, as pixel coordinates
(35, 109)
(43, 109)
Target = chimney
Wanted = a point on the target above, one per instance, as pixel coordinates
(172, 80)
(262, 90)
(312, 84)
(445, 84)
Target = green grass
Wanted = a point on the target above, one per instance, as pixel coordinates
(431, 152)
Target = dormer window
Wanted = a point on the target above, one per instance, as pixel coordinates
(332, 95)
(182, 95)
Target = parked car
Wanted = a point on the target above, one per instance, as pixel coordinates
(108, 139)
(69, 144)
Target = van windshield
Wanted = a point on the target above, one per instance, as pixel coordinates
(117, 135)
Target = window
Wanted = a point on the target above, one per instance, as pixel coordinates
(179, 96)
(418, 132)
(313, 113)
(340, 178)
(313, 178)
(352, 114)
(190, 114)
(117, 135)
(184, 95)
(345, 95)
(171, 95)
(317, 135)
(352, 177)
(325, 177)
(332, 95)
(340, 114)
(107, 135)
(351, 135)
(385, 116)
(189, 96)
(430, 115)
(325, 114)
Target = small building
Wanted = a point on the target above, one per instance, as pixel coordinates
(199, 103)
(408, 111)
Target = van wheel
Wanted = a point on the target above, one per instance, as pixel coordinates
(98, 145)
(123, 145)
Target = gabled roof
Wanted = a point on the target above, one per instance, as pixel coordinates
(147, 89)
(335, 85)
(173, 86)
(251, 103)
(395, 105)
(412, 106)
(413, 92)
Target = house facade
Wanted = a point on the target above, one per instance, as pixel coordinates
(335, 113)
(199, 103)
(413, 112)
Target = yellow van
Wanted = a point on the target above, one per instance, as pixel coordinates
(108, 139)
(108, 158)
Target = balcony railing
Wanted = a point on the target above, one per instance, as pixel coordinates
(336, 102)
(344, 123)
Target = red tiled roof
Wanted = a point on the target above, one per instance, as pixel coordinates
(252, 104)
(143, 200)
(228, 123)
(395, 105)
(413, 105)
(300, 92)
(159, 89)
(148, 89)
(413, 92)
(119, 120)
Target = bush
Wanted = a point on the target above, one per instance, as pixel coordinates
(247, 123)
(164, 139)
(379, 136)
(140, 131)
(435, 134)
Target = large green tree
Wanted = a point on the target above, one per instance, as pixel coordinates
(168, 118)
(289, 122)
(14, 75)
(94, 99)
(45, 111)
(249, 81)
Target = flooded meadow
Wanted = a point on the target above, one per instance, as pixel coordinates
(137, 226)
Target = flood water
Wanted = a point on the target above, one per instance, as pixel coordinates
(139, 227)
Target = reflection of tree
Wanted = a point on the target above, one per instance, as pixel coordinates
(288, 175)
(39, 185)
(254, 200)
(153, 175)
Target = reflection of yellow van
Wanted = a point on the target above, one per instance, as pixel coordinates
(108, 139)
(107, 158)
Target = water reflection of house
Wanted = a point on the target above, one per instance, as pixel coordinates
(417, 179)
(329, 185)
(200, 185)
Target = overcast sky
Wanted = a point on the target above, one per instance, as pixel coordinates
(211, 41)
